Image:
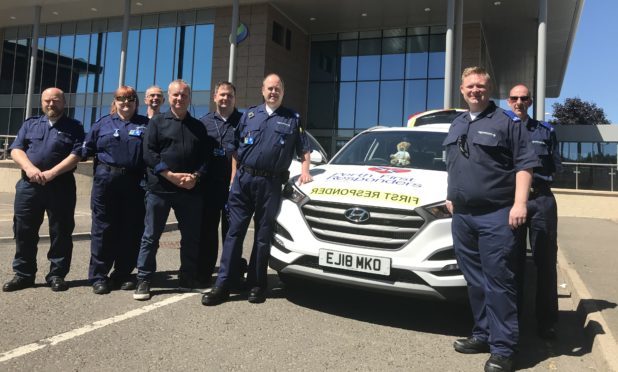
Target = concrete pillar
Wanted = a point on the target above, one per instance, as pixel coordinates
(36, 23)
(541, 66)
(125, 42)
(232, 67)
(448, 63)
(458, 52)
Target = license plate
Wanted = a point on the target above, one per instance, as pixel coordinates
(355, 262)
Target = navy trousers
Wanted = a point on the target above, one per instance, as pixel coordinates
(32, 200)
(487, 252)
(215, 210)
(187, 207)
(543, 234)
(117, 203)
(250, 196)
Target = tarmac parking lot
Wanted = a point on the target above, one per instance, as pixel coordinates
(307, 327)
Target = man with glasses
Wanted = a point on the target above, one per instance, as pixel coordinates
(542, 221)
(176, 153)
(489, 164)
(47, 149)
(153, 100)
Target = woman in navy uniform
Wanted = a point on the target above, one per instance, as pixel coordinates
(117, 199)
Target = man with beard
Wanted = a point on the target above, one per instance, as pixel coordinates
(47, 149)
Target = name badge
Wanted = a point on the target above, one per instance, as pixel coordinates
(135, 133)
(218, 152)
(248, 140)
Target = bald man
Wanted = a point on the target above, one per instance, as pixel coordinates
(153, 99)
(47, 149)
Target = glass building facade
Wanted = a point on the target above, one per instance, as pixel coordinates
(82, 58)
(362, 79)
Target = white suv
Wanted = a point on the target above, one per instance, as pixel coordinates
(374, 217)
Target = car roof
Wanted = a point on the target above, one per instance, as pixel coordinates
(440, 128)
(434, 117)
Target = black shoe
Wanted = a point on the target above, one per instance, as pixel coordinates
(125, 284)
(101, 287)
(547, 333)
(216, 296)
(471, 345)
(142, 292)
(58, 284)
(189, 285)
(257, 295)
(499, 363)
(128, 285)
(18, 283)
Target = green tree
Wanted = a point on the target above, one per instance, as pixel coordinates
(574, 111)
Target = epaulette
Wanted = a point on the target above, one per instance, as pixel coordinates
(512, 116)
(547, 125)
(34, 118)
(251, 111)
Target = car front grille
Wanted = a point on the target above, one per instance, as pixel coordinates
(385, 229)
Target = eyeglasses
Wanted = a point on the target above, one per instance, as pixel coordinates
(515, 98)
(462, 143)
(125, 98)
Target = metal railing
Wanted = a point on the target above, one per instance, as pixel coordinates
(4, 148)
(587, 176)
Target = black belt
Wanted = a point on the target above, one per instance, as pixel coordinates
(260, 172)
(119, 170)
(540, 189)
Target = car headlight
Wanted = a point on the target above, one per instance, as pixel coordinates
(438, 210)
(293, 193)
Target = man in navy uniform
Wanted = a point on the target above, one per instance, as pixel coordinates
(220, 125)
(542, 221)
(176, 153)
(266, 139)
(489, 165)
(47, 149)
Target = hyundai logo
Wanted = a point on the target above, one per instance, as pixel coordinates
(356, 215)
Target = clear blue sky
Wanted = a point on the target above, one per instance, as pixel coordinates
(592, 72)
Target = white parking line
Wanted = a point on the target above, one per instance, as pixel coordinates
(54, 340)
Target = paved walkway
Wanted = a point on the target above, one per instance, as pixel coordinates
(588, 263)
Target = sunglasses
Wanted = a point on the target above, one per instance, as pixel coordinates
(125, 98)
(462, 143)
(515, 98)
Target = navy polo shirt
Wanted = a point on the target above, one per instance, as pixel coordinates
(268, 142)
(221, 135)
(116, 142)
(482, 157)
(47, 145)
(545, 145)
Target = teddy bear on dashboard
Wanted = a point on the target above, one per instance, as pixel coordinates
(401, 158)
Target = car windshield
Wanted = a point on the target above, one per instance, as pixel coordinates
(404, 149)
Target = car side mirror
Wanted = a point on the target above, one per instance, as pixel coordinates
(316, 157)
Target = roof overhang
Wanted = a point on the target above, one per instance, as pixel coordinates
(510, 26)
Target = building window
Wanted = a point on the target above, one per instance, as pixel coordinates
(278, 33)
(82, 58)
(362, 79)
(288, 39)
